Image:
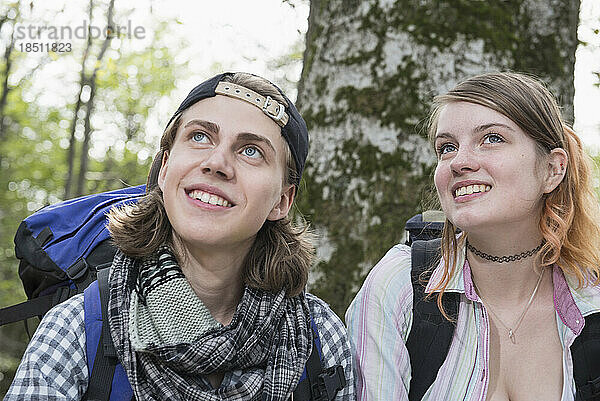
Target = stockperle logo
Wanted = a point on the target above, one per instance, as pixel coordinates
(80, 31)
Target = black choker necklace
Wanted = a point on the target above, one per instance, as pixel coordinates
(504, 259)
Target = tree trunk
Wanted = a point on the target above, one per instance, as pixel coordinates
(87, 134)
(72, 140)
(85, 146)
(370, 71)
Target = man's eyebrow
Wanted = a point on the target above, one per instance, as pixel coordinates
(249, 136)
(212, 127)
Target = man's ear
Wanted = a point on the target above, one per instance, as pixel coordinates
(557, 169)
(282, 208)
(163, 170)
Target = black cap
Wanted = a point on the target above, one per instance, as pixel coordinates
(294, 131)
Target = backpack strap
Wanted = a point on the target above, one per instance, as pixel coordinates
(317, 383)
(585, 352)
(108, 379)
(431, 334)
(35, 307)
(82, 273)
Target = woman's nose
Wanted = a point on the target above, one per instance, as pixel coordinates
(464, 160)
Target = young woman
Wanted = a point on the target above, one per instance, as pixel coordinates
(513, 177)
(207, 296)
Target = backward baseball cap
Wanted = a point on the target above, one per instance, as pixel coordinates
(293, 127)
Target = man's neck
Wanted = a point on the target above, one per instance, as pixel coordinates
(216, 278)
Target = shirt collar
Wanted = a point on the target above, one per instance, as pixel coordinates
(457, 281)
(585, 300)
(571, 304)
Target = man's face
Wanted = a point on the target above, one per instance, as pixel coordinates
(224, 175)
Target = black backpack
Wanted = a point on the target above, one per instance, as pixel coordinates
(431, 334)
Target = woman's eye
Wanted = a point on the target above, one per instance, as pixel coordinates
(493, 138)
(199, 137)
(252, 152)
(445, 148)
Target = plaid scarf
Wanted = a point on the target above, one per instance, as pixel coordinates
(268, 340)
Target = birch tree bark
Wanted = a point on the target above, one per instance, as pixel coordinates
(370, 70)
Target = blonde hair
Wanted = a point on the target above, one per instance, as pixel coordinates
(282, 252)
(570, 221)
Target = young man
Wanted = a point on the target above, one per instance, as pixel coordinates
(207, 293)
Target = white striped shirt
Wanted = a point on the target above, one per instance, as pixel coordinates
(380, 317)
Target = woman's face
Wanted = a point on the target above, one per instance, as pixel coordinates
(490, 174)
(224, 175)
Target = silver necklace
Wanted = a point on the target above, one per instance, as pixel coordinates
(517, 324)
(504, 259)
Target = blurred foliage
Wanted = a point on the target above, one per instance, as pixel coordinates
(130, 83)
(286, 67)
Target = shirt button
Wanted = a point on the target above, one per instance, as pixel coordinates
(577, 321)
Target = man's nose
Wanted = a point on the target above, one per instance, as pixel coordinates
(218, 162)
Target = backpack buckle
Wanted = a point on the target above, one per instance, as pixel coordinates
(329, 383)
(77, 270)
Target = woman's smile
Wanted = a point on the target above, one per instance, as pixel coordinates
(465, 190)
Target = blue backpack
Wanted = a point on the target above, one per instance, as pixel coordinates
(61, 247)
(65, 249)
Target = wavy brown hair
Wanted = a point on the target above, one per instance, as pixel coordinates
(570, 220)
(283, 250)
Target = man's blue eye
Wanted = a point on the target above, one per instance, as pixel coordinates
(199, 137)
(251, 151)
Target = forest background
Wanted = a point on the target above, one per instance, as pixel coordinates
(81, 111)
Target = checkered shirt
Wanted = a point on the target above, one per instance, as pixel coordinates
(54, 366)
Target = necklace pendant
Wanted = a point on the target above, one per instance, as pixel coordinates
(511, 335)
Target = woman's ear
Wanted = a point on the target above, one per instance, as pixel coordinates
(557, 168)
(163, 170)
(283, 206)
